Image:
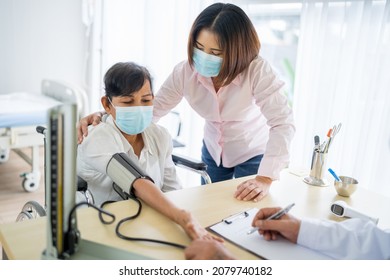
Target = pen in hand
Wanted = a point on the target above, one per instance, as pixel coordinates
(275, 216)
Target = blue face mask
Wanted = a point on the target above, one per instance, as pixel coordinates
(133, 119)
(206, 64)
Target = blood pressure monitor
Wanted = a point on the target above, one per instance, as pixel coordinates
(63, 237)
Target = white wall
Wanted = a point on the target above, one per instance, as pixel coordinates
(40, 39)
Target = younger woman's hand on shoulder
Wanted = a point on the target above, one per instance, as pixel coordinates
(253, 189)
(82, 127)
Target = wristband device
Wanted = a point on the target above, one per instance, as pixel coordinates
(341, 209)
(124, 172)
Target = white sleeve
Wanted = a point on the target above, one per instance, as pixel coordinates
(268, 88)
(171, 92)
(101, 144)
(350, 239)
(171, 180)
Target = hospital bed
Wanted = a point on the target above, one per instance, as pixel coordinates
(21, 113)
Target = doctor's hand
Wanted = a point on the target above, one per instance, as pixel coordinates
(287, 226)
(207, 250)
(253, 189)
(82, 127)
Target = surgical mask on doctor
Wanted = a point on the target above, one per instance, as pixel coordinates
(133, 119)
(206, 64)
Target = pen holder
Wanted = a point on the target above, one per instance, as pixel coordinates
(318, 170)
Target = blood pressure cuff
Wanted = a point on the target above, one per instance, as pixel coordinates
(124, 172)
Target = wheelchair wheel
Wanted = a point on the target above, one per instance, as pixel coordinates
(31, 210)
(24, 216)
(85, 196)
(89, 197)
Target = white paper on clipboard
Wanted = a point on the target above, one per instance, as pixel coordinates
(235, 228)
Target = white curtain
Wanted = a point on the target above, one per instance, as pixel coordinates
(92, 18)
(342, 75)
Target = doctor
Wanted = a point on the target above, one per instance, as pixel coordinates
(349, 239)
(248, 123)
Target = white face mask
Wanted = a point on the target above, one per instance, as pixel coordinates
(206, 64)
(133, 119)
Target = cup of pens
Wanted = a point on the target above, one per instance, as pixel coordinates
(318, 169)
(318, 162)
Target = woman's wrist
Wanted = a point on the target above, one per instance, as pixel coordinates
(183, 217)
(264, 179)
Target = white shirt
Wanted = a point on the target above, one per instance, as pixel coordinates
(350, 239)
(246, 118)
(105, 139)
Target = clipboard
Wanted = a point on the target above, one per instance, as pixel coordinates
(235, 227)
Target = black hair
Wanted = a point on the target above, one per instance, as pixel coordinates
(125, 78)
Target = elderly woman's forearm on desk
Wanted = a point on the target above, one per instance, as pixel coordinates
(146, 191)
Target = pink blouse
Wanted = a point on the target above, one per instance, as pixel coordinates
(246, 118)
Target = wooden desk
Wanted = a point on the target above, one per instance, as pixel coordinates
(210, 204)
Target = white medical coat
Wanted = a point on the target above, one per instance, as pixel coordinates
(350, 239)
